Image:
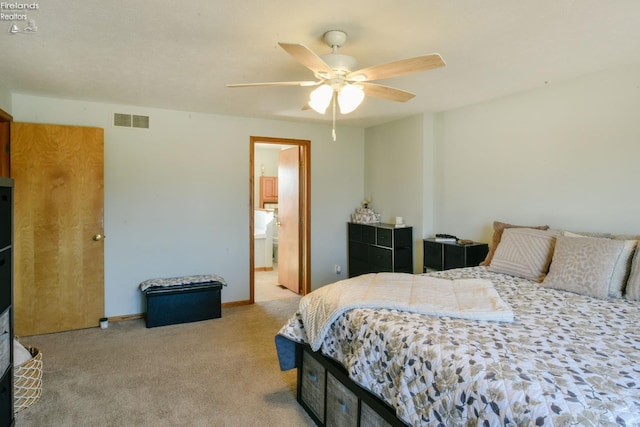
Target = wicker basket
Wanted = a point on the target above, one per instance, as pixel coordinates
(27, 381)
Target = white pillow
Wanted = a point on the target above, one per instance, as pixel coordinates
(524, 252)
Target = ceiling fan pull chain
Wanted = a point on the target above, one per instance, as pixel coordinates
(333, 131)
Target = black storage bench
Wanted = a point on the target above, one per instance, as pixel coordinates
(182, 299)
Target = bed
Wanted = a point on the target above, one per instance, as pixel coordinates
(570, 356)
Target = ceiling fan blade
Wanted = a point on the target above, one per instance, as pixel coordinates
(397, 68)
(301, 83)
(386, 92)
(306, 57)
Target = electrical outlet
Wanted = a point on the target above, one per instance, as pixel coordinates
(337, 269)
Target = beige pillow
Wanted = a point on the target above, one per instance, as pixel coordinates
(584, 265)
(587, 234)
(524, 252)
(498, 229)
(625, 236)
(623, 265)
(633, 284)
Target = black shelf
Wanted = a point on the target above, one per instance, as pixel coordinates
(447, 255)
(375, 248)
(6, 302)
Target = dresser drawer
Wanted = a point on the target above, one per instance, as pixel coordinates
(342, 404)
(5, 355)
(5, 279)
(385, 237)
(433, 255)
(454, 256)
(380, 259)
(355, 232)
(368, 234)
(6, 208)
(5, 342)
(5, 321)
(6, 400)
(359, 250)
(358, 267)
(313, 385)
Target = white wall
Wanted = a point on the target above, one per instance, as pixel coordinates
(177, 194)
(396, 175)
(566, 155)
(5, 99)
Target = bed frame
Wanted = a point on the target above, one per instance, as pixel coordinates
(331, 398)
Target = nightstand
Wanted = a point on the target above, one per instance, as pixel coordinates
(448, 255)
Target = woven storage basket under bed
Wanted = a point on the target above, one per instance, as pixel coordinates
(27, 381)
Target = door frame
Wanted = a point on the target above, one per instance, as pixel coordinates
(305, 198)
(5, 138)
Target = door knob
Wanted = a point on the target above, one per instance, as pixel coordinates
(98, 237)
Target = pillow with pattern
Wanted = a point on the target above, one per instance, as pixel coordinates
(584, 265)
(623, 267)
(525, 252)
(498, 229)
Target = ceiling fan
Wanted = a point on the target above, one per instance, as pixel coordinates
(338, 78)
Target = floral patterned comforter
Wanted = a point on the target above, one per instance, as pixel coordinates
(567, 360)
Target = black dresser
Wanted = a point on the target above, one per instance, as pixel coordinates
(6, 298)
(375, 248)
(448, 255)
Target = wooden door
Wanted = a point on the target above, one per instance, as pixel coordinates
(58, 228)
(289, 259)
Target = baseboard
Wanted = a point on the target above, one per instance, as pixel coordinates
(126, 317)
(141, 315)
(263, 269)
(235, 303)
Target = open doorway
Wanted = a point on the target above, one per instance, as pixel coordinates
(279, 218)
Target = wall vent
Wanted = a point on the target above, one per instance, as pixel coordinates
(122, 120)
(140, 122)
(130, 121)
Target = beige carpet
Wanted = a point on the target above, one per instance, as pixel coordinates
(267, 286)
(220, 372)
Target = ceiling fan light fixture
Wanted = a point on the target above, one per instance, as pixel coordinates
(358, 77)
(349, 98)
(320, 98)
(340, 81)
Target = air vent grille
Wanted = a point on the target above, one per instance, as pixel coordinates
(130, 120)
(122, 120)
(140, 122)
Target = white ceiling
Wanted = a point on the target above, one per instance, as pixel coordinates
(180, 54)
